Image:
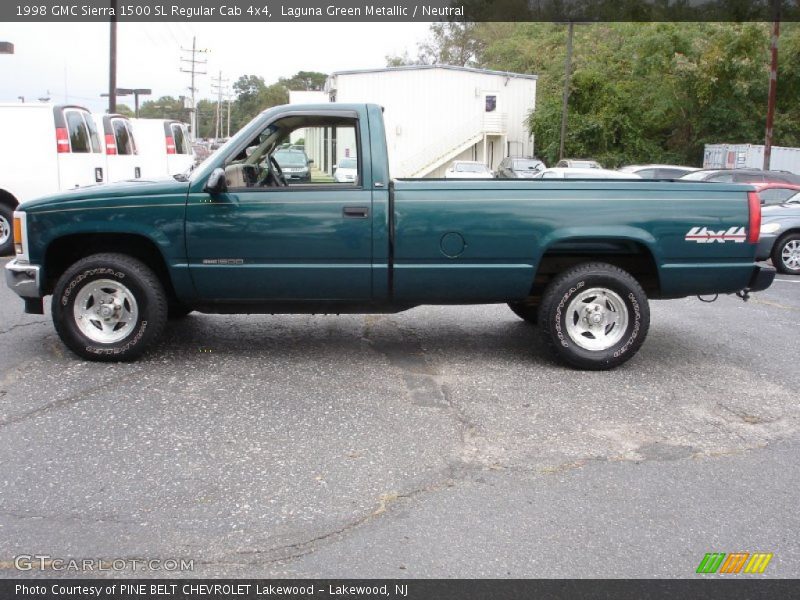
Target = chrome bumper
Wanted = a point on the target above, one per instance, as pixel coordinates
(23, 279)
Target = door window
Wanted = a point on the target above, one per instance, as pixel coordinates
(122, 134)
(181, 144)
(775, 196)
(79, 137)
(491, 103)
(299, 152)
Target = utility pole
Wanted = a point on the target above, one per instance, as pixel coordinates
(218, 85)
(194, 62)
(773, 90)
(112, 61)
(565, 97)
(228, 134)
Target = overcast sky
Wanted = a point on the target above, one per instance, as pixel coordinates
(69, 61)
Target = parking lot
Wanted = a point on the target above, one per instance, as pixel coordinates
(440, 442)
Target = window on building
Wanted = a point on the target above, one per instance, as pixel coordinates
(491, 103)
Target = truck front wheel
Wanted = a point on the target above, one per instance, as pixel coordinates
(109, 307)
(594, 316)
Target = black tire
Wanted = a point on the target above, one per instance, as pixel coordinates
(6, 229)
(622, 290)
(135, 277)
(777, 254)
(526, 312)
(176, 311)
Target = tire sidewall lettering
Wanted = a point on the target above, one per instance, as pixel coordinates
(562, 338)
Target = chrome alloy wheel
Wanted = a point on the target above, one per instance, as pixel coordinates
(790, 255)
(105, 311)
(5, 230)
(596, 319)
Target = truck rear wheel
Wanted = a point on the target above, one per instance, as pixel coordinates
(6, 235)
(109, 307)
(594, 316)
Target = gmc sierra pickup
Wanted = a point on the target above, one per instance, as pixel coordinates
(579, 257)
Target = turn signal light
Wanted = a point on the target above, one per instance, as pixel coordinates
(17, 235)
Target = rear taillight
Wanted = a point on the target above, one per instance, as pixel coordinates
(111, 144)
(754, 227)
(62, 139)
(170, 144)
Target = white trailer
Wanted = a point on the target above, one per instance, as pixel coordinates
(750, 156)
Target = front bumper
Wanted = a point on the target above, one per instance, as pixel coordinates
(761, 279)
(765, 243)
(24, 279)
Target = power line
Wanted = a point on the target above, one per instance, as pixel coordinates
(193, 70)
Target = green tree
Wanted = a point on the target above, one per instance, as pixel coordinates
(305, 81)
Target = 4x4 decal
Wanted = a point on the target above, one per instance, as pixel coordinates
(703, 235)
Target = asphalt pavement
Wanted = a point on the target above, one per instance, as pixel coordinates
(439, 442)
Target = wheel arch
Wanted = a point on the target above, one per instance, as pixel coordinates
(63, 251)
(634, 252)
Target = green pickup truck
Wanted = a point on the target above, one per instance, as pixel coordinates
(580, 258)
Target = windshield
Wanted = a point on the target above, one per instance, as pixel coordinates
(290, 159)
(470, 168)
(348, 163)
(523, 165)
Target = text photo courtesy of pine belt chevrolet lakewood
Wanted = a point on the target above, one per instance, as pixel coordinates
(582, 258)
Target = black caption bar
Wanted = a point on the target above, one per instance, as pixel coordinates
(451, 589)
(399, 10)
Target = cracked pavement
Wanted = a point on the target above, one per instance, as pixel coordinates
(440, 442)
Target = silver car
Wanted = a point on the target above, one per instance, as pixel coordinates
(780, 235)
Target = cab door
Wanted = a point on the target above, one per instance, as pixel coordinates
(308, 241)
(80, 154)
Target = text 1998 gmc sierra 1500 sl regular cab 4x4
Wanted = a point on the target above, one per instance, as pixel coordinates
(581, 258)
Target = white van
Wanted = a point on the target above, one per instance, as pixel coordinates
(123, 161)
(164, 147)
(44, 149)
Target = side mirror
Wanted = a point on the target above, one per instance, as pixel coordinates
(333, 168)
(311, 161)
(216, 183)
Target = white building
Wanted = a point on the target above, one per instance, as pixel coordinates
(436, 114)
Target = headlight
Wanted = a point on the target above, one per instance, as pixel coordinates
(770, 227)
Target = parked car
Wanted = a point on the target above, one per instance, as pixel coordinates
(658, 171)
(123, 161)
(578, 163)
(294, 165)
(772, 194)
(780, 235)
(575, 173)
(467, 169)
(518, 168)
(742, 176)
(579, 259)
(164, 147)
(201, 152)
(346, 171)
(45, 149)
